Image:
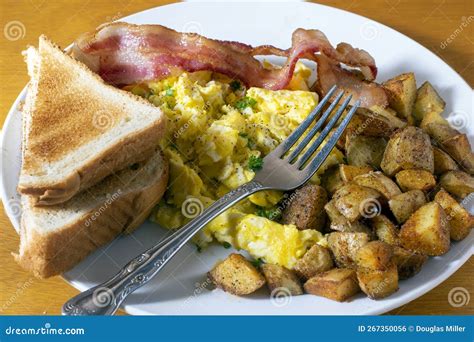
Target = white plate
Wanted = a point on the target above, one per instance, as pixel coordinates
(180, 289)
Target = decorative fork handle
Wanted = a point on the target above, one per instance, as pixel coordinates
(105, 299)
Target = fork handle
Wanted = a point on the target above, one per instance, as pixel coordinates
(105, 299)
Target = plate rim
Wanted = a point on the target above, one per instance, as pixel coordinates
(132, 309)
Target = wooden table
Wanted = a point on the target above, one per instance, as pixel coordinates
(430, 22)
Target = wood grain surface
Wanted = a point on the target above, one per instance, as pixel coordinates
(430, 22)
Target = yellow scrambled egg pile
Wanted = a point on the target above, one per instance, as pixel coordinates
(217, 134)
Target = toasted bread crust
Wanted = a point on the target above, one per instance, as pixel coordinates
(46, 255)
(139, 147)
(57, 160)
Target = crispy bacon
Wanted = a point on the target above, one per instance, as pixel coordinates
(330, 73)
(122, 53)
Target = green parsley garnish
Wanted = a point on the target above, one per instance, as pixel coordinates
(226, 245)
(198, 248)
(235, 85)
(255, 163)
(245, 102)
(273, 214)
(243, 135)
(169, 92)
(258, 262)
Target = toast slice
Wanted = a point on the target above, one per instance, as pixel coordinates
(76, 129)
(53, 239)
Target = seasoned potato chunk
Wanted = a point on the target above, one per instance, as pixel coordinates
(365, 151)
(403, 205)
(378, 284)
(352, 200)
(340, 223)
(427, 101)
(408, 263)
(385, 230)
(375, 255)
(415, 180)
(316, 260)
(401, 92)
(450, 140)
(337, 284)
(344, 247)
(378, 181)
(409, 148)
(331, 179)
(426, 231)
(236, 275)
(458, 183)
(375, 122)
(443, 162)
(280, 277)
(459, 148)
(306, 208)
(349, 172)
(460, 221)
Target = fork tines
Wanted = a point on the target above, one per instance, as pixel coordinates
(303, 162)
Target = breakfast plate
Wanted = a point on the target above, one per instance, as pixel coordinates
(182, 288)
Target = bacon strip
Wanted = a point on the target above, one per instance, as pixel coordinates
(122, 53)
(330, 73)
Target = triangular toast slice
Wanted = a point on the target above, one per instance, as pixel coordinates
(53, 239)
(77, 129)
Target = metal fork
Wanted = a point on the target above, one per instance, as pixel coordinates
(282, 169)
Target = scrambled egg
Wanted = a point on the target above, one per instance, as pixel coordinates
(217, 134)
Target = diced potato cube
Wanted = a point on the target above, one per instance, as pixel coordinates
(408, 263)
(385, 230)
(403, 205)
(427, 100)
(409, 148)
(443, 162)
(378, 284)
(353, 201)
(365, 151)
(378, 181)
(337, 284)
(349, 172)
(236, 275)
(344, 247)
(401, 92)
(331, 180)
(458, 183)
(375, 255)
(415, 180)
(316, 260)
(340, 223)
(306, 208)
(460, 221)
(279, 277)
(426, 231)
